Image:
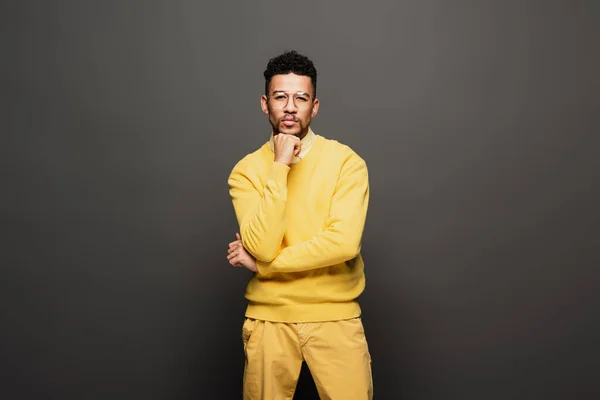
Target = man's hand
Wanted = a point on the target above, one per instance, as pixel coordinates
(286, 147)
(239, 257)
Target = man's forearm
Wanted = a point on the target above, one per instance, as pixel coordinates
(333, 246)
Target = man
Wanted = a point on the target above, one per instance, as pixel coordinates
(301, 203)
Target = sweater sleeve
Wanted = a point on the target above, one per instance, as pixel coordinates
(260, 215)
(340, 240)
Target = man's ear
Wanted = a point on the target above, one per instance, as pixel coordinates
(315, 107)
(263, 104)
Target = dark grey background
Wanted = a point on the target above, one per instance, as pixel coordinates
(479, 121)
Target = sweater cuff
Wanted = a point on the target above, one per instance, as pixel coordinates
(263, 269)
(279, 172)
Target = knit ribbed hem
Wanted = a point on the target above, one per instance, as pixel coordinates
(300, 313)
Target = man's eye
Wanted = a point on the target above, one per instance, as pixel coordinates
(280, 97)
(302, 99)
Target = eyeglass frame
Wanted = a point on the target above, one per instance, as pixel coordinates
(312, 100)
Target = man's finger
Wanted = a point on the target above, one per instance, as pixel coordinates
(234, 244)
(232, 255)
(237, 236)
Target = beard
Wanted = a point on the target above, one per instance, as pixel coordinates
(299, 129)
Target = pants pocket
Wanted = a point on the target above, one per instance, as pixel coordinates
(247, 330)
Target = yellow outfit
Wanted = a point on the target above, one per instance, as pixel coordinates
(304, 223)
(336, 353)
(304, 226)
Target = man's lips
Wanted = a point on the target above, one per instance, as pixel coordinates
(289, 121)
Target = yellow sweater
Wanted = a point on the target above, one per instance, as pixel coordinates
(304, 226)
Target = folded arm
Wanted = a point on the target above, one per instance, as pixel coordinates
(260, 215)
(340, 241)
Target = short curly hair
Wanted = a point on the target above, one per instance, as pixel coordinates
(290, 62)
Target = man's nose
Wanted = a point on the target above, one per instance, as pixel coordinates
(290, 106)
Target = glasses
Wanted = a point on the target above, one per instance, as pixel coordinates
(280, 100)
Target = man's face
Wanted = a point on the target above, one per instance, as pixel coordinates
(290, 104)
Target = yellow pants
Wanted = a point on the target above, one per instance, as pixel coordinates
(336, 353)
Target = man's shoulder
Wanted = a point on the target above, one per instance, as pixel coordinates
(252, 160)
(344, 151)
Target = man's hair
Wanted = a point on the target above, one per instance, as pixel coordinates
(290, 62)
